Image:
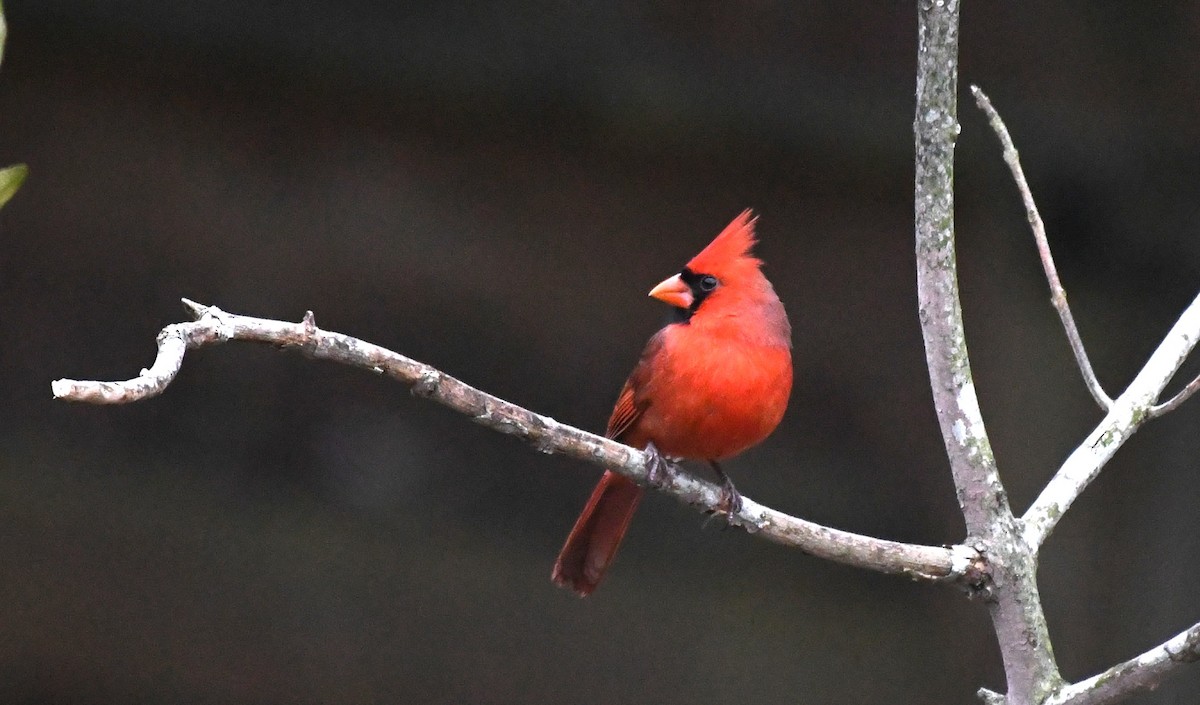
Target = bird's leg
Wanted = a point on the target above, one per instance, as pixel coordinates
(731, 500)
(658, 468)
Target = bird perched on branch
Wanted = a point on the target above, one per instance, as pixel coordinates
(709, 385)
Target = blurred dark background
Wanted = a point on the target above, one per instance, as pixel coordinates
(492, 189)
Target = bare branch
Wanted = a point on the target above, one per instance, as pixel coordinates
(173, 342)
(1016, 608)
(1058, 296)
(956, 563)
(1174, 402)
(1124, 416)
(1142, 672)
(1129, 411)
(981, 496)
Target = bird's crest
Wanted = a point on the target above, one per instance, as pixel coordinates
(732, 245)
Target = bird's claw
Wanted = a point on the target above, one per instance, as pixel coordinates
(730, 504)
(658, 468)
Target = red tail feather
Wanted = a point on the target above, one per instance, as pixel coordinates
(593, 542)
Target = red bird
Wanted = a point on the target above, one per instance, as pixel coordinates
(707, 387)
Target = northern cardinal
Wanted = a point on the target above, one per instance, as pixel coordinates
(708, 386)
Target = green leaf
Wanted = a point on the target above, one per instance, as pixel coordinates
(11, 180)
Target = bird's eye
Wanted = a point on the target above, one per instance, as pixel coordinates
(708, 282)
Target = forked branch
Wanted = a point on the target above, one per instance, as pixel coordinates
(1129, 411)
(213, 326)
(1124, 416)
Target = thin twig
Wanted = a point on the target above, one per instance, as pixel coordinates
(1174, 402)
(1142, 672)
(1127, 414)
(1058, 296)
(939, 563)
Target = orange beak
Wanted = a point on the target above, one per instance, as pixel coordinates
(674, 292)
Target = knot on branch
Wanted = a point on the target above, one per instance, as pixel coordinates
(500, 421)
(427, 384)
(306, 337)
(211, 323)
(977, 573)
(194, 309)
(752, 522)
(539, 434)
(1189, 651)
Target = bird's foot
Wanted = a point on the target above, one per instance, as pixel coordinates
(658, 469)
(730, 504)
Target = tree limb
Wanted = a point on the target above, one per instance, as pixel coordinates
(981, 495)
(1129, 411)
(1016, 608)
(214, 326)
(1058, 296)
(1142, 672)
(1123, 417)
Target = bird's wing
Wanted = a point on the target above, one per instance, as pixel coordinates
(633, 399)
(624, 413)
